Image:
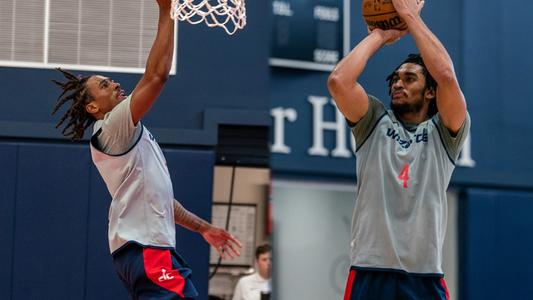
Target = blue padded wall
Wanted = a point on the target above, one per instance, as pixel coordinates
(192, 175)
(496, 259)
(8, 180)
(101, 279)
(53, 221)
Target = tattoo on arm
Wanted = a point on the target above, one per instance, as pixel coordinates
(189, 220)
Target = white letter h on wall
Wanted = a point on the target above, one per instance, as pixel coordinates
(319, 126)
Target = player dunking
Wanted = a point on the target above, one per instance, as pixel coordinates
(143, 210)
(405, 158)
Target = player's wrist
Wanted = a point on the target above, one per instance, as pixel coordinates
(164, 13)
(204, 227)
(164, 4)
(382, 35)
(379, 35)
(410, 18)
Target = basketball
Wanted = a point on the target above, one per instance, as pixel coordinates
(381, 14)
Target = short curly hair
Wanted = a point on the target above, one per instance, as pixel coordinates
(415, 58)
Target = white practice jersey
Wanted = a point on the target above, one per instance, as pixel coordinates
(138, 180)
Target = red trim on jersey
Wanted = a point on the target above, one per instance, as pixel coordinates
(349, 284)
(158, 268)
(445, 288)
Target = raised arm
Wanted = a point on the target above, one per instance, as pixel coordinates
(220, 239)
(450, 99)
(157, 66)
(349, 95)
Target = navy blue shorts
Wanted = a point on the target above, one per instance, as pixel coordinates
(390, 285)
(152, 273)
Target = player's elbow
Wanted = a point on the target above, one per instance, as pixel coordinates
(158, 73)
(445, 77)
(162, 78)
(335, 83)
(159, 80)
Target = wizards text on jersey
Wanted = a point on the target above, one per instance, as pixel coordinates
(418, 138)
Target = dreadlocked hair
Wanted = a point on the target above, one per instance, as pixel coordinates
(75, 90)
(415, 58)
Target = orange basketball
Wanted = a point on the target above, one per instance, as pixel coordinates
(381, 14)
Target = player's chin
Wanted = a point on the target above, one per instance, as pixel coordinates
(397, 101)
(399, 106)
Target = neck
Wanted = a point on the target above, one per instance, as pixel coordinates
(263, 275)
(413, 117)
(98, 116)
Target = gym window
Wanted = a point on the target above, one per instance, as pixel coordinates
(96, 35)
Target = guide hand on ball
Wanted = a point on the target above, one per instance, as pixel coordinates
(389, 36)
(408, 7)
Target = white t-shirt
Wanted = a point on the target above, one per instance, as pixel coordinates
(250, 287)
(137, 178)
(400, 212)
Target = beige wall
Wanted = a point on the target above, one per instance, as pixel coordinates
(312, 220)
(251, 187)
(450, 251)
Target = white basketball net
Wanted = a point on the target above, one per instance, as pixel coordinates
(228, 14)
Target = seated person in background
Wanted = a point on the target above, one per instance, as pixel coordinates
(252, 286)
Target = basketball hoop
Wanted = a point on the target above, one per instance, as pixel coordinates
(228, 14)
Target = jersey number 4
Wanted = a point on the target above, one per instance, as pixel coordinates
(404, 175)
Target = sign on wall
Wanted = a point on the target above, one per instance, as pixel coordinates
(310, 35)
(242, 226)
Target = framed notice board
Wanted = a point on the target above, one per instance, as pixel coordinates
(242, 226)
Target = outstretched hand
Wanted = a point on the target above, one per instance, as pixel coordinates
(223, 242)
(406, 7)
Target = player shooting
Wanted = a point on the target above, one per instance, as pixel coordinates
(405, 158)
